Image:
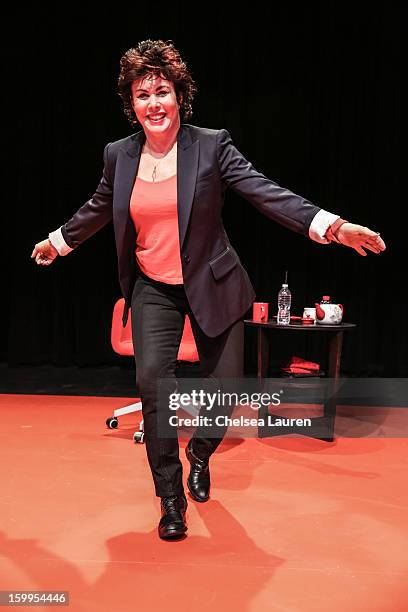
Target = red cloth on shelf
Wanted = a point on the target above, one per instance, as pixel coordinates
(298, 365)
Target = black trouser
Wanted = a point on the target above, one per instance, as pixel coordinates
(158, 312)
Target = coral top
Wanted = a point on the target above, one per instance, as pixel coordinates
(153, 209)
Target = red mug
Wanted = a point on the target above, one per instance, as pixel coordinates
(260, 312)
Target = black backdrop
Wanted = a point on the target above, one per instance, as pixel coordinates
(311, 94)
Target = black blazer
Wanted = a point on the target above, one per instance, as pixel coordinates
(217, 286)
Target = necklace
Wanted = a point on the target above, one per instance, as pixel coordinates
(154, 173)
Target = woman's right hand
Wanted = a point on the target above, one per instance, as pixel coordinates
(44, 253)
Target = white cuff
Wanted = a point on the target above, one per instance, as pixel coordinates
(57, 240)
(320, 224)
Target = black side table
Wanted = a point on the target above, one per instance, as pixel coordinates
(335, 333)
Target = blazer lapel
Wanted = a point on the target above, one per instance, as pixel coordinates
(187, 168)
(125, 174)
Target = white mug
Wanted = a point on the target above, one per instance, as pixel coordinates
(309, 313)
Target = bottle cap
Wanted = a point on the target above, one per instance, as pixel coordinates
(326, 298)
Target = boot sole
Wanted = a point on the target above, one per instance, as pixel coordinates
(174, 533)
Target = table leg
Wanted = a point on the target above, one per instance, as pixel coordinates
(333, 372)
(263, 347)
(335, 346)
(263, 351)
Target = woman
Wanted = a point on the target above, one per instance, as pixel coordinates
(164, 189)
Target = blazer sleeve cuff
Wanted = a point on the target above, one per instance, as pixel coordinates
(320, 224)
(57, 240)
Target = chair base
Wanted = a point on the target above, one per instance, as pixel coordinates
(127, 409)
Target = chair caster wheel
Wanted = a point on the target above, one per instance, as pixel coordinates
(138, 437)
(112, 422)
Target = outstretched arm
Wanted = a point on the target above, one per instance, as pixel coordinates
(287, 208)
(279, 204)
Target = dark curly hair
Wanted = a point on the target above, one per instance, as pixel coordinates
(156, 57)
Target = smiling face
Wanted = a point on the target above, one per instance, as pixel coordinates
(155, 103)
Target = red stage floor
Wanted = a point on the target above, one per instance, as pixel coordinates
(293, 524)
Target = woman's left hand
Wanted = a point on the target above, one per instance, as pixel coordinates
(359, 237)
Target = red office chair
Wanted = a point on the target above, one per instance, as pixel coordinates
(121, 340)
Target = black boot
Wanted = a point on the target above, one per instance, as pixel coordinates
(173, 520)
(198, 481)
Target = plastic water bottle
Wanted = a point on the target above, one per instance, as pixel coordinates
(284, 302)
